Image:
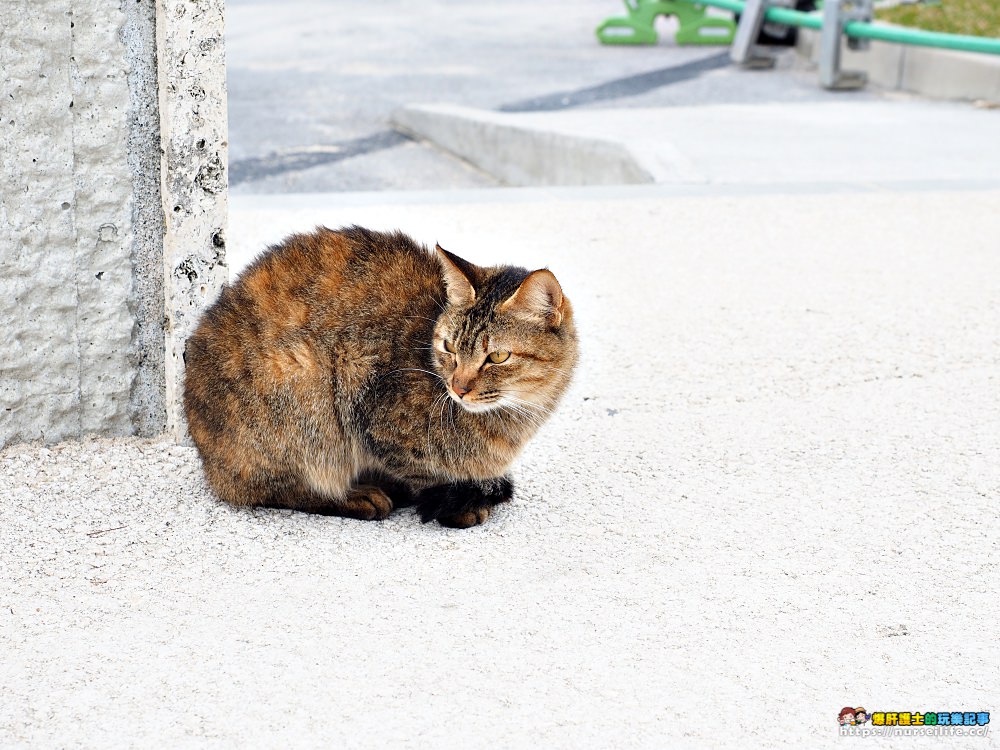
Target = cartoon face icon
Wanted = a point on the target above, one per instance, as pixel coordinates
(860, 717)
(846, 716)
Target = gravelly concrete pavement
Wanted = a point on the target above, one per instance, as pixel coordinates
(772, 492)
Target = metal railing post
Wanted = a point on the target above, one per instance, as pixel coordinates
(836, 15)
(745, 50)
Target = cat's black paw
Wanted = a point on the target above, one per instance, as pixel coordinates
(463, 504)
(466, 519)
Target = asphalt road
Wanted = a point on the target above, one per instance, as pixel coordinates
(312, 84)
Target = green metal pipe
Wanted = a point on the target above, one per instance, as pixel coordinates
(904, 35)
(791, 17)
(862, 30)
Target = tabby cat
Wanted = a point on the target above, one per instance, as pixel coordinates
(352, 372)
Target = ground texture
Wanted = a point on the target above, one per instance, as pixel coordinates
(771, 493)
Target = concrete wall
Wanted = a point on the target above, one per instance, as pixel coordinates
(89, 285)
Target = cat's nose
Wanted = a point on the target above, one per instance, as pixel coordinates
(461, 386)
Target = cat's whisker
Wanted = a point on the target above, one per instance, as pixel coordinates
(525, 416)
(446, 401)
(516, 394)
(556, 369)
(412, 369)
(508, 394)
(440, 305)
(535, 417)
(536, 408)
(450, 403)
(531, 406)
(430, 416)
(519, 410)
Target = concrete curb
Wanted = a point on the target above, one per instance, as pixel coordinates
(715, 144)
(936, 73)
(521, 155)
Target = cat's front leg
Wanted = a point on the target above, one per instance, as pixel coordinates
(459, 505)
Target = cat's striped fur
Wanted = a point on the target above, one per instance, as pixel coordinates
(350, 372)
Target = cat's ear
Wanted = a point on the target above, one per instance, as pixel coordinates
(539, 296)
(458, 277)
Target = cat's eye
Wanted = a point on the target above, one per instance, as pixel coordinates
(448, 347)
(499, 356)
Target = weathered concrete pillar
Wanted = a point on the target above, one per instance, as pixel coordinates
(109, 245)
(191, 54)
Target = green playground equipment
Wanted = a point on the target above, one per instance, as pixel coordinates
(695, 26)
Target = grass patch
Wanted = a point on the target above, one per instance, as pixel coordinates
(976, 17)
